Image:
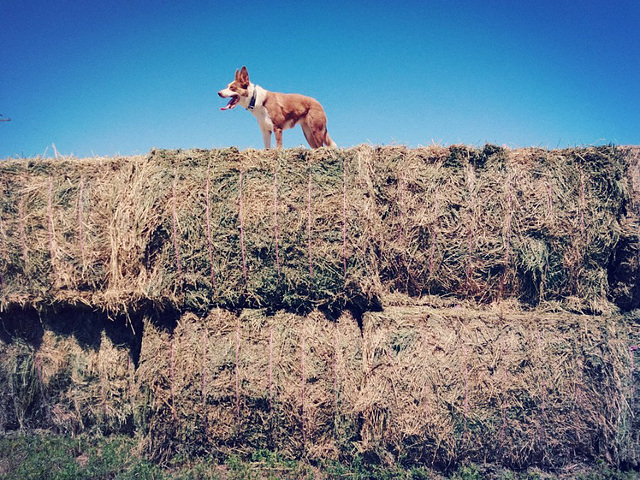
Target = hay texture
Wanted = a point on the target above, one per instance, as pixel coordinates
(297, 229)
(429, 306)
(421, 384)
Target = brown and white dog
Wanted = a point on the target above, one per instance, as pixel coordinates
(278, 111)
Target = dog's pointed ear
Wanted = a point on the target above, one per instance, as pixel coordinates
(237, 78)
(244, 76)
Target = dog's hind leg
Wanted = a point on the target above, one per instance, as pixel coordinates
(315, 128)
(308, 134)
(328, 142)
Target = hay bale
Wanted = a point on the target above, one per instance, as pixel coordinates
(518, 387)
(232, 384)
(67, 387)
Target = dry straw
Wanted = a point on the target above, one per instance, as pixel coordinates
(215, 302)
(425, 384)
(299, 229)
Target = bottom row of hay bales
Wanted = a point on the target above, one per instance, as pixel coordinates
(419, 384)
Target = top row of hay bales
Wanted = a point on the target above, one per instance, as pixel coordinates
(297, 229)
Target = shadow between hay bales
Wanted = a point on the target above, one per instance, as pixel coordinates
(86, 325)
(21, 323)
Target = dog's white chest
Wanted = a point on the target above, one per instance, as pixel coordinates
(261, 113)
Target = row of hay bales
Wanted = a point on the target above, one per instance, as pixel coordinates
(422, 384)
(297, 229)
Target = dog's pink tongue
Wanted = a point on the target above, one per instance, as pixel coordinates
(229, 105)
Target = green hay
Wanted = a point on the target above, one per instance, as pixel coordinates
(148, 296)
(489, 224)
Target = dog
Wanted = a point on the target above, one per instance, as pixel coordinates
(278, 111)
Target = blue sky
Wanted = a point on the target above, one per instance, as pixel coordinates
(122, 77)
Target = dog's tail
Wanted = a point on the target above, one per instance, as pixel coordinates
(328, 142)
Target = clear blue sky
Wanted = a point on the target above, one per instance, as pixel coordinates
(120, 77)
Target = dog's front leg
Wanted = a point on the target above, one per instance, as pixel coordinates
(266, 137)
(278, 134)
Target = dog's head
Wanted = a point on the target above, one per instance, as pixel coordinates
(236, 89)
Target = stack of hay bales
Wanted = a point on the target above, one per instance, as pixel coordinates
(428, 305)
